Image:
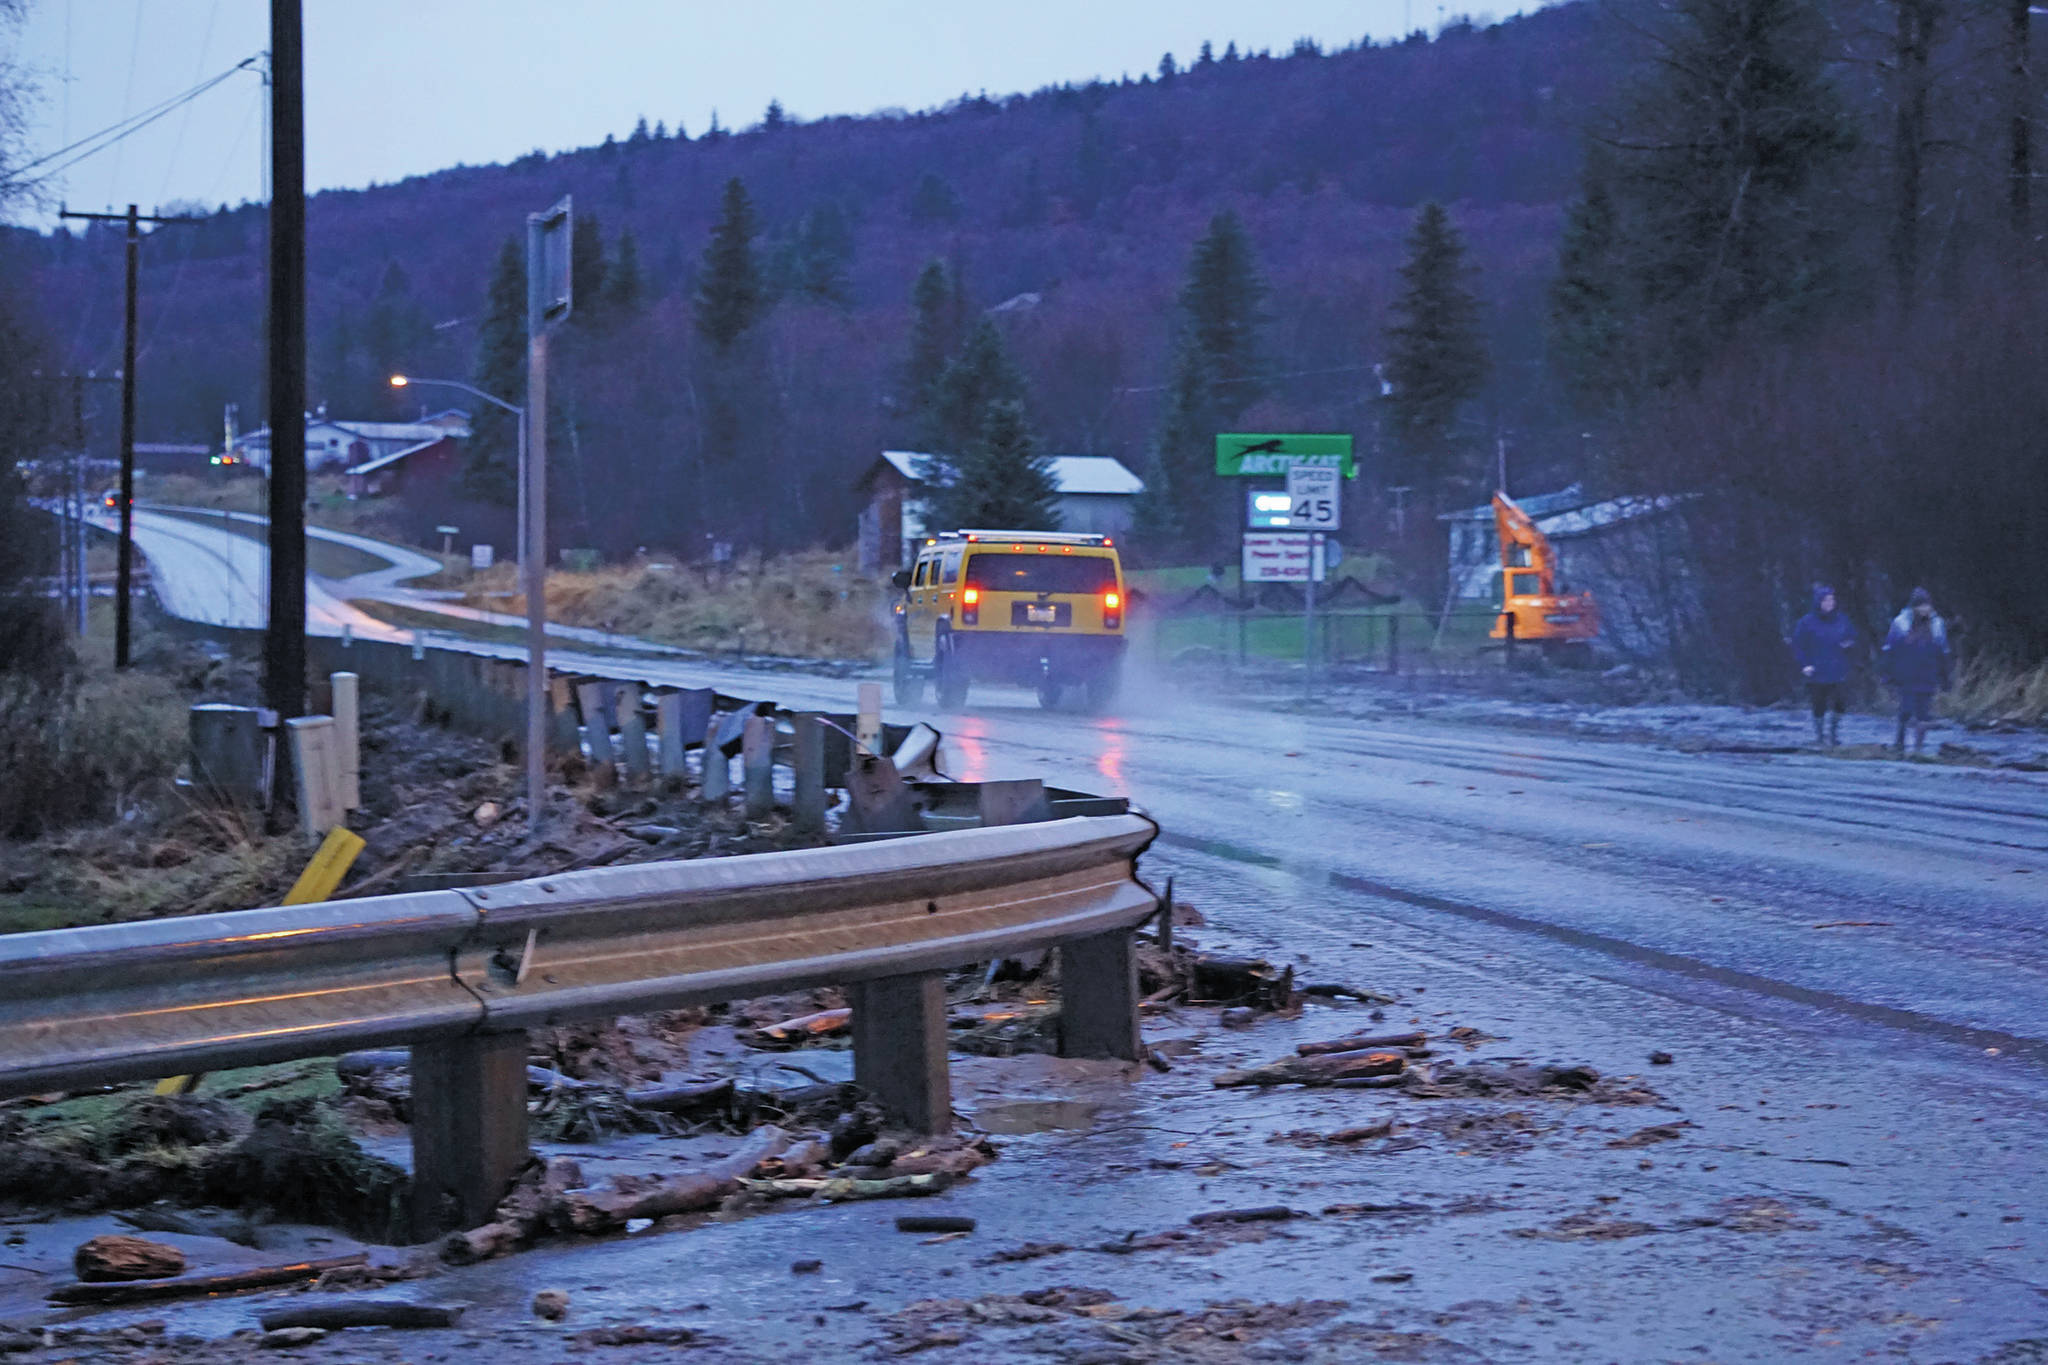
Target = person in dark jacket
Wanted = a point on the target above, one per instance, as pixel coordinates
(1916, 663)
(1824, 646)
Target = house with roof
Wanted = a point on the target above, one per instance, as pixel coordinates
(334, 445)
(1096, 494)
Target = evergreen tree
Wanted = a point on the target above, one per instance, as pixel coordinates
(1091, 164)
(729, 297)
(823, 250)
(714, 133)
(932, 334)
(640, 133)
(1589, 311)
(586, 268)
(660, 130)
(1167, 70)
(982, 374)
(1207, 56)
(933, 201)
(491, 466)
(1230, 51)
(776, 119)
(395, 336)
(1174, 520)
(999, 479)
(1436, 354)
(623, 285)
(1220, 308)
(1732, 178)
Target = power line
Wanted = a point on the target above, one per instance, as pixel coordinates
(1257, 378)
(113, 133)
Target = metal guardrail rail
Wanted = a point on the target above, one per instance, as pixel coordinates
(110, 1003)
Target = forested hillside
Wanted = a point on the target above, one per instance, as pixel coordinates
(1088, 196)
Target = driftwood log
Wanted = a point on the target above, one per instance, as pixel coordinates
(261, 1277)
(1326, 1068)
(361, 1313)
(551, 1199)
(1359, 1042)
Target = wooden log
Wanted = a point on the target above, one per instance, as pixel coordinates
(260, 1277)
(1237, 980)
(1265, 1213)
(823, 1024)
(670, 1099)
(1325, 1069)
(938, 1222)
(361, 1313)
(840, 1189)
(1359, 1042)
(610, 1210)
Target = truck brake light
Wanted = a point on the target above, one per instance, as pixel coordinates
(1112, 610)
(970, 605)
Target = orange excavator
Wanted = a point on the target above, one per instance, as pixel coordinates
(1562, 623)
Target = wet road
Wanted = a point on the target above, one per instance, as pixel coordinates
(1846, 958)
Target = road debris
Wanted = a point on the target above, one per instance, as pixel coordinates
(363, 1313)
(1321, 1069)
(227, 1282)
(912, 1222)
(116, 1257)
(551, 1305)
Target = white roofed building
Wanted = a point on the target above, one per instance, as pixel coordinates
(1095, 496)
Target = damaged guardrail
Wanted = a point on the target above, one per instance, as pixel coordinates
(460, 975)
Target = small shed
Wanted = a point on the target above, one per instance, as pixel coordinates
(434, 464)
(1096, 493)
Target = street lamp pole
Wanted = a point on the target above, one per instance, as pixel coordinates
(401, 381)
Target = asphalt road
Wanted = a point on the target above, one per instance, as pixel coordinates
(1846, 958)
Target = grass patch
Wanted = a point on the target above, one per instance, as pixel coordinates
(1995, 692)
(812, 605)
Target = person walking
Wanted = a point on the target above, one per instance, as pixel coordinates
(1824, 644)
(1916, 663)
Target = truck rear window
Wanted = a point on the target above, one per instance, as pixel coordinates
(1042, 573)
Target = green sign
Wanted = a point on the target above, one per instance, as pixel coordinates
(1262, 455)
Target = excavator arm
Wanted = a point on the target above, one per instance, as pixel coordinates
(1518, 533)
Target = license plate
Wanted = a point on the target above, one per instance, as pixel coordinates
(1042, 616)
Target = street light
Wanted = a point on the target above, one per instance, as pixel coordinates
(400, 381)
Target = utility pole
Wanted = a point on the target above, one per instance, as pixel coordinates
(284, 643)
(125, 574)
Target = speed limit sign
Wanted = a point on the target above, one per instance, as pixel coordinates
(1312, 493)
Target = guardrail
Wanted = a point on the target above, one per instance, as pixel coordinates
(460, 975)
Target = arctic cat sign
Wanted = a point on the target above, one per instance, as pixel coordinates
(1264, 455)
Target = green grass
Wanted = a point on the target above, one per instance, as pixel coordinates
(80, 1118)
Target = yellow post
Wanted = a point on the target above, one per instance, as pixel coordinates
(331, 862)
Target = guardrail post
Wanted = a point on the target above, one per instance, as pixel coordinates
(668, 729)
(716, 781)
(347, 740)
(809, 762)
(563, 736)
(632, 732)
(315, 765)
(757, 765)
(1099, 997)
(468, 1129)
(597, 732)
(899, 1049)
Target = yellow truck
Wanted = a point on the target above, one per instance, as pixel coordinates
(1037, 608)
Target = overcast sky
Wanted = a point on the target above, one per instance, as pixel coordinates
(400, 87)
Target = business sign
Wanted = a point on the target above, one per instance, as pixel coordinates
(1282, 557)
(1260, 455)
(1268, 509)
(482, 556)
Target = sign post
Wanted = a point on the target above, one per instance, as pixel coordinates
(547, 303)
(1315, 505)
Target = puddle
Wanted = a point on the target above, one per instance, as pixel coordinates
(1010, 1118)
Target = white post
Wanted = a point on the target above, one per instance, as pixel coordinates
(347, 739)
(867, 729)
(668, 725)
(313, 764)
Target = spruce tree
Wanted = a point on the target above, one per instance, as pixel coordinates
(586, 267)
(1220, 308)
(1589, 310)
(823, 250)
(1436, 353)
(623, 284)
(1733, 164)
(982, 374)
(491, 465)
(999, 480)
(729, 296)
(1175, 520)
(931, 337)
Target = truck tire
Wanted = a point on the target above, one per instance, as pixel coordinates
(949, 676)
(908, 686)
